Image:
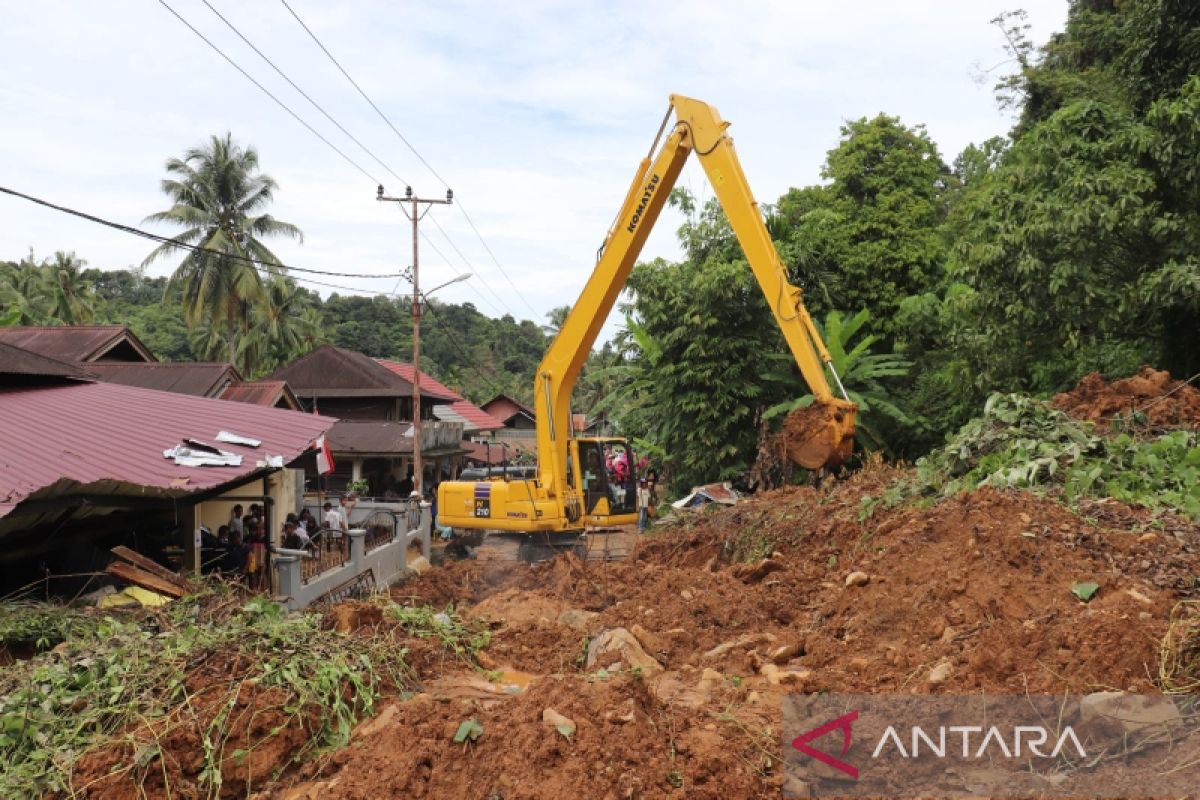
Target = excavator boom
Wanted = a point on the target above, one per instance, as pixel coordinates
(820, 436)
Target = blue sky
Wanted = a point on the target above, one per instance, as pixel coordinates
(536, 113)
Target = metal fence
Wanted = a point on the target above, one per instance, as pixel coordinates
(381, 529)
(328, 553)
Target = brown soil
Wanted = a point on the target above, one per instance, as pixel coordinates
(1166, 403)
(980, 582)
(813, 437)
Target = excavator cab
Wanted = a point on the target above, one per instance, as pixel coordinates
(607, 482)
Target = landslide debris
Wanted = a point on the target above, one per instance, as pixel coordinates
(1023, 442)
(1149, 398)
(212, 695)
(671, 666)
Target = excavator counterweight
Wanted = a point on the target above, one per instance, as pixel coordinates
(574, 489)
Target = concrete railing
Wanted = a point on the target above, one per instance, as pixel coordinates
(387, 563)
(440, 434)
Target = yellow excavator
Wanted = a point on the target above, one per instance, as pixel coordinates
(572, 490)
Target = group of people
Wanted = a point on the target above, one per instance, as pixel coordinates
(240, 545)
(303, 532)
(243, 542)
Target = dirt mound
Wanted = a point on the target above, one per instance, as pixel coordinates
(1166, 403)
(796, 590)
(627, 743)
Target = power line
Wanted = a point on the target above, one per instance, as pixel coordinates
(303, 93)
(267, 92)
(466, 262)
(154, 237)
(414, 150)
(447, 328)
(328, 116)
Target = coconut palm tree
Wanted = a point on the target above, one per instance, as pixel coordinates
(72, 300)
(24, 294)
(555, 318)
(286, 326)
(219, 199)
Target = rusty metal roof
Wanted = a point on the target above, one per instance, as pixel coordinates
(200, 379)
(370, 438)
(17, 361)
(78, 342)
(505, 408)
(105, 439)
(482, 454)
(263, 393)
(331, 371)
(461, 409)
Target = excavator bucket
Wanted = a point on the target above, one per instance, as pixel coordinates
(821, 435)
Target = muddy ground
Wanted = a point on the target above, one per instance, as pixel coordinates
(968, 596)
(713, 619)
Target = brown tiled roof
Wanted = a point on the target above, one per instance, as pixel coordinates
(200, 379)
(78, 342)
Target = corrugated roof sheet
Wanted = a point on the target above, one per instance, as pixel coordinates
(472, 416)
(261, 393)
(74, 342)
(200, 379)
(107, 439)
(381, 438)
(17, 361)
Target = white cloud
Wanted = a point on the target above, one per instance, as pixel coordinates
(535, 112)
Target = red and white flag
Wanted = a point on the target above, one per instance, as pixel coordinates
(324, 456)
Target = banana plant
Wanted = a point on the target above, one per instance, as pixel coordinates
(861, 372)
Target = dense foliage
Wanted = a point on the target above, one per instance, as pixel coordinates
(1023, 442)
(1070, 245)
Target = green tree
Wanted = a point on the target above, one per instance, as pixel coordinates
(1082, 248)
(25, 295)
(698, 352)
(219, 198)
(555, 318)
(872, 236)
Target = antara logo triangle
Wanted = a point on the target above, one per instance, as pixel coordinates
(843, 723)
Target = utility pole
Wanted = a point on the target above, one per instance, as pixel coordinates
(415, 215)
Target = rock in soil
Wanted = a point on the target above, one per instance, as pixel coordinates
(621, 643)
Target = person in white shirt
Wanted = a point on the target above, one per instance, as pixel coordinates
(643, 501)
(335, 524)
(236, 522)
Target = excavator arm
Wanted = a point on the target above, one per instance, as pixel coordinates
(571, 491)
(820, 436)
